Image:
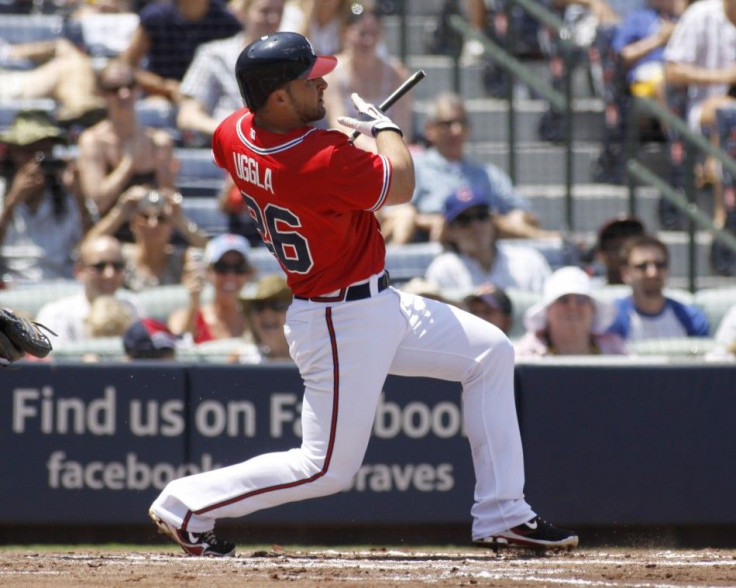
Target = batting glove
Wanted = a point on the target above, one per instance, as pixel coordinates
(372, 121)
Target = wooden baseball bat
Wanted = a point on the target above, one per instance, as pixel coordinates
(410, 82)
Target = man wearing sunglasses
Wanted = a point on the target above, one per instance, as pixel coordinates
(118, 152)
(474, 255)
(99, 270)
(648, 313)
(444, 168)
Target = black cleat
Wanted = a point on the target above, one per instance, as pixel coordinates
(535, 533)
(196, 544)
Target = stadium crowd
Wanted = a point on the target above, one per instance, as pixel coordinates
(119, 233)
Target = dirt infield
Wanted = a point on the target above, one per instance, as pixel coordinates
(375, 567)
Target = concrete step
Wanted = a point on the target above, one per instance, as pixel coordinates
(544, 163)
(593, 204)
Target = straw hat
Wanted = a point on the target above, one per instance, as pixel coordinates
(31, 126)
(568, 280)
(270, 287)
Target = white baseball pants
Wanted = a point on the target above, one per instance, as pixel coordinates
(344, 351)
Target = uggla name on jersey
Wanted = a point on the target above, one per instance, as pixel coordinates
(248, 170)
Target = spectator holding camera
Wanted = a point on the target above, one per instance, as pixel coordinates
(42, 218)
(227, 267)
(153, 258)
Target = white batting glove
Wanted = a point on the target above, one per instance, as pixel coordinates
(372, 121)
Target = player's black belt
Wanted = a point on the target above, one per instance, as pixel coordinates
(354, 292)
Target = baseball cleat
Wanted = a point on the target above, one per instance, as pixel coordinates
(535, 533)
(196, 544)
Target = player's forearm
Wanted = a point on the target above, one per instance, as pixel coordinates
(391, 145)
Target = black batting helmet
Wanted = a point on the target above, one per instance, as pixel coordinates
(268, 62)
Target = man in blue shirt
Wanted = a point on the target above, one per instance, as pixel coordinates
(442, 170)
(647, 313)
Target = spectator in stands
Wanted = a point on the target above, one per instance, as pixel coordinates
(153, 259)
(491, 18)
(725, 337)
(700, 55)
(167, 37)
(102, 28)
(591, 25)
(227, 267)
(442, 169)
(99, 268)
(266, 312)
(320, 21)
(42, 219)
(608, 248)
(108, 317)
(118, 153)
(58, 70)
(492, 304)
(363, 68)
(569, 319)
(209, 89)
(635, 67)
(150, 339)
(474, 255)
(647, 313)
(640, 41)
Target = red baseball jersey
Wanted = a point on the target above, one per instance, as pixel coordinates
(312, 196)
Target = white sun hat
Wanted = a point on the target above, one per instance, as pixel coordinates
(568, 280)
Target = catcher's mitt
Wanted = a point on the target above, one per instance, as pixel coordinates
(19, 336)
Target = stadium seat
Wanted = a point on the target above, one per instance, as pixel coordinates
(264, 261)
(28, 299)
(409, 261)
(161, 301)
(25, 28)
(198, 175)
(204, 211)
(99, 348)
(217, 351)
(715, 303)
(673, 347)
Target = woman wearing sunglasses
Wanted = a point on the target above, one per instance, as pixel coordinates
(228, 270)
(154, 258)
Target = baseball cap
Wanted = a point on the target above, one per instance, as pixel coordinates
(568, 280)
(220, 245)
(493, 296)
(622, 225)
(460, 200)
(148, 338)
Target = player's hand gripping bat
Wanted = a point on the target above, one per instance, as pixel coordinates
(375, 121)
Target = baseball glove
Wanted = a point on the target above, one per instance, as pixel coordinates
(19, 336)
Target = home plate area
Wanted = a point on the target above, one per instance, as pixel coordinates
(375, 567)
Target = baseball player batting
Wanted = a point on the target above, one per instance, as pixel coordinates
(313, 196)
